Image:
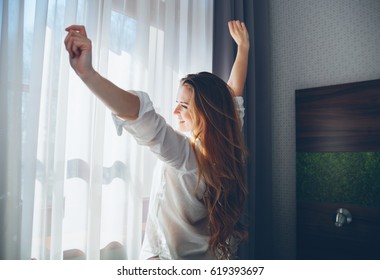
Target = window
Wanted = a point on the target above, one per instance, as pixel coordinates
(85, 190)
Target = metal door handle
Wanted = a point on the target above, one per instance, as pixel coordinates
(343, 216)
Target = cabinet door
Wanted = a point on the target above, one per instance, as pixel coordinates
(319, 238)
(338, 171)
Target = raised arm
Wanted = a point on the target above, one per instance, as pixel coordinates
(122, 103)
(238, 74)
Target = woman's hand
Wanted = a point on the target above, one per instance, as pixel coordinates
(80, 49)
(239, 33)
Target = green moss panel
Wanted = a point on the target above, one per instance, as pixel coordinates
(339, 177)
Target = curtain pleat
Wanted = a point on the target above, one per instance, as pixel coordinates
(11, 48)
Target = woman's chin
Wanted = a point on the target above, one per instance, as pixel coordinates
(182, 129)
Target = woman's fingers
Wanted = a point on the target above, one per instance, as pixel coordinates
(236, 26)
(238, 31)
(232, 26)
(74, 36)
(76, 42)
(77, 28)
(68, 44)
(79, 48)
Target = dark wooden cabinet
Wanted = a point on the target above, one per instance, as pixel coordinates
(335, 119)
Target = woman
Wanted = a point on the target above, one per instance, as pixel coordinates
(195, 209)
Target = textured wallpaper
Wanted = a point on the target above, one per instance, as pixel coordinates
(313, 43)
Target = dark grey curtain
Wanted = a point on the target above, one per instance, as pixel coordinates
(258, 216)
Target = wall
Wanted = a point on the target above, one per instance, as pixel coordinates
(312, 43)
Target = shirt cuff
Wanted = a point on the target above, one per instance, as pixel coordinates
(146, 105)
(239, 103)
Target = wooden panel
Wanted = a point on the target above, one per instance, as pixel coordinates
(339, 118)
(318, 238)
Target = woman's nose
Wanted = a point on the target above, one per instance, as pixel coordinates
(176, 111)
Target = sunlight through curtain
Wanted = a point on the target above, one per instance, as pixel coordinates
(70, 187)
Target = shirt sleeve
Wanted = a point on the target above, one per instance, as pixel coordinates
(239, 104)
(146, 105)
(150, 129)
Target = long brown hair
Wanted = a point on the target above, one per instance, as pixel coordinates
(221, 158)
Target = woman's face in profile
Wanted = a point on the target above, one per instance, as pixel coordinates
(185, 122)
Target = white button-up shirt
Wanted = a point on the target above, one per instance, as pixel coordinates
(177, 223)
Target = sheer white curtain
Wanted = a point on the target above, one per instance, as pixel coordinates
(70, 187)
